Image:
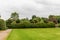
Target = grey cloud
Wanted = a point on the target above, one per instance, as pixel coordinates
(27, 8)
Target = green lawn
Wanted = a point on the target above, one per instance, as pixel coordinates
(35, 34)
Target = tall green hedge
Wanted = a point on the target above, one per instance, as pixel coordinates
(2, 24)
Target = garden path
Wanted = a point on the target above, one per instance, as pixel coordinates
(4, 34)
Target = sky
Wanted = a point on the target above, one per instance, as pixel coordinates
(27, 8)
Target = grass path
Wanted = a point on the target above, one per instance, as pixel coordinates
(4, 34)
(35, 34)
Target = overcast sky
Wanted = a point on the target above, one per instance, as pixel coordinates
(27, 8)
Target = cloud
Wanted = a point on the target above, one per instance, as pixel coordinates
(27, 8)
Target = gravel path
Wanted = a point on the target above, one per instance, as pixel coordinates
(4, 34)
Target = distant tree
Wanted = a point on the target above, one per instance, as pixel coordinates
(35, 19)
(34, 16)
(51, 16)
(24, 19)
(15, 16)
(45, 19)
(53, 19)
(58, 18)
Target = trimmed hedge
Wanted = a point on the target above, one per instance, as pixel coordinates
(27, 24)
(24, 24)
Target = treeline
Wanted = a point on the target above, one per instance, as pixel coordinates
(35, 22)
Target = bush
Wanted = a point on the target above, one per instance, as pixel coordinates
(25, 24)
(41, 25)
(13, 25)
(22, 24)
(17, 21)
(8, 23)
(2, 24)
(51, 24)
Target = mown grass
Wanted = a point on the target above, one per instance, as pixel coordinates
(35, 34)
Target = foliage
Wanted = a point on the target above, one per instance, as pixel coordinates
(35, 19)
(17, 21)
(25, 24)
(58, 18)
(8, 22)
(2, 24)
(34, 16)
(15, 16)
(45, 19)
(13, 24)
(34, 22)
(51, 24)
(53, 19)
(41, 25)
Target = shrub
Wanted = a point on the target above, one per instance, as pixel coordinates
(2, 24)
(22, 24)
(8, 23)
(17, 21)
(25, 24)
(51, 24)
(13, 25)
(41, 25)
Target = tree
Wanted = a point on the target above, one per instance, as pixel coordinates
(34, 16)
(35, 19)
(58, 18)
(15, 16)
(45, 19)
(53, 19)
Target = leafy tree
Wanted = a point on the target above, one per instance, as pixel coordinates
(34, 16)
(15, 16)
(58, 18)
(45, 20)
(35, 19)
(53, 19)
